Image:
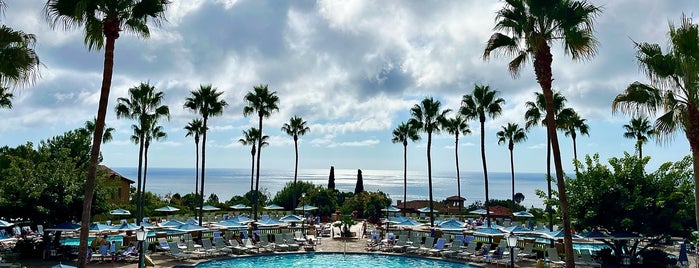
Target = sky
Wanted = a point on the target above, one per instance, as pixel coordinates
(351, 69)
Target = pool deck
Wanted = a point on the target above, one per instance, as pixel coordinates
(327, 245)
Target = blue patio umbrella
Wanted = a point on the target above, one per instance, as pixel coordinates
(98, 227)
(146, 225)
(240, 207)
(126, 227)
(120, 212)
(167, 209)
(479, 211)
(192, 221)
(171, 223)
(210, 208)
(523, 214)
(291, 218)
(390, 209)
(595, 235)
(60, 265)
(426, 210)
(232, 225)
(408, 223)
(189, 228)
(240, 219)
(273, 207)
(270, 222)
(306, 208)
(397, 219)
(5, 224)
(486, 231)
(64, 227)
(451, 225)
(516, 230)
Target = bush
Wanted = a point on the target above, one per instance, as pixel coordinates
(656, 258)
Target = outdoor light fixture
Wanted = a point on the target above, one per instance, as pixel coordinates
(512, 243)
(141, 236)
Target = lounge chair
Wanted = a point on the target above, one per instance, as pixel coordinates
(438, 247)
(175, 252)
(264, 244)
(221, 246)
(162, 245)
(289, 238)
(453, 249)
(193, 250)
(401, 244)
(468, 252)
(587, 259)
(429, 244)
(553, 257)
(236, 247)
(250, 247)
(279, 243)
(528, 251)
(209, 248)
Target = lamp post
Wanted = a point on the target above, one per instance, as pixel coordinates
(141, 236)
(303, 217)
(512, 243)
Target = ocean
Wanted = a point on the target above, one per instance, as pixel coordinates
(226, 183)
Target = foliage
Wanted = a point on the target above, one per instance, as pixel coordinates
(624, 189)
(656, 258)
(505, 203)
(45, 185)
(291, 191)
(519, 197)
(367, 204)
(213, 200)
(323, 198)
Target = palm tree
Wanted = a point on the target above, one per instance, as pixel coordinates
(262, 102)
(295, 128)
(90, 128)
(145, 106)
(673, 88)
(155, 132)
(250, 138)
(19, 64)
(427, 116)
(102, 21)
(455, 126)
(195, 128)
(572, 125)
(536, 115)
(483, 102)
(206, 102)
(402, 134)
(529, 27)
(639, 128)
(511, 134)
(5, 98)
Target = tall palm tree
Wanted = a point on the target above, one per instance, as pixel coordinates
(455, 126)
(673, 88)
(511, 134)
(157, 133)
(206, 102)
(402, 134)
(250, 138)
(483, 103)
(295, 128)
(262, 102)
(572, 125)
(639, 128)
(427, 116)
(528, 29)
(19, 64)
(102, 22)
(536, 114)
(145, 106)
(195, 128)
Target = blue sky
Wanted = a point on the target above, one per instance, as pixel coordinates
(351, 69)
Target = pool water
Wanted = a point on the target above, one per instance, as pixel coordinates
(74, 241)
(330, 260)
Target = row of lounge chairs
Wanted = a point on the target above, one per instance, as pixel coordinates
(219, 247)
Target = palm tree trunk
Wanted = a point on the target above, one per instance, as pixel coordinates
(458, 176)
(485, 172)
(405, 175)
(429, 176)
(296, 169)
(203, 172)
(692, 133)
(95, 151)
(252, 168)
(542, 68)
(575, 154)
(196, 174)
(143, 187)
(512, 171)
(257, 178)
(548, 181)
(640, 149)
(139, 186)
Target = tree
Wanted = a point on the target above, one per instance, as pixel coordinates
(145, 106)
(511, 134)
(639, 128)
(673, 88)
(483, 103)
(285, 196)
(195, 128)
(536, 114)
(206, 102)
(90, 130)
(572, 125)
(528, 28)
(359, 187)
(455, 126)
(102, 22)
(331, 178)
(624, 189)
(427, 117)
(262, 102)
(295, 128)
(154, 132)
(250, 138)
(19, 64)
(402, 134)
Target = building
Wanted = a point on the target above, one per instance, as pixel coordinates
(121, 185)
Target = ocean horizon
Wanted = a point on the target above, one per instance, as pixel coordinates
(229, 182)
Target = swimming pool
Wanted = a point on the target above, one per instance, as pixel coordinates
(330, 260)
(74, 241)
